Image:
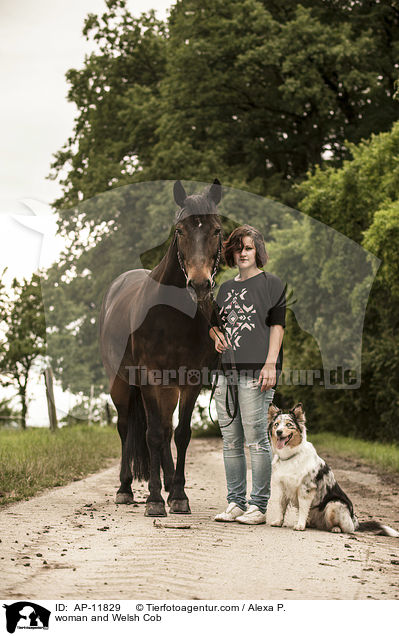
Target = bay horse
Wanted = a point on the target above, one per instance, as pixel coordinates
(155, 346)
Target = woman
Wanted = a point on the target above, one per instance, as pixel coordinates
(252, 317)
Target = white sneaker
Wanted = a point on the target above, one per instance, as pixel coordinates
(252, 516)
(230, 514)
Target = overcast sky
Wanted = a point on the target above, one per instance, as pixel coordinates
(39, 41)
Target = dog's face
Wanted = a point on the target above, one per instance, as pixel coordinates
(286, 429)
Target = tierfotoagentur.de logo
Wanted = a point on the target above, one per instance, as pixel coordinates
(26, 615)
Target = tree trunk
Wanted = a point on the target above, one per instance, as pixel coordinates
(22, 394)
(52, 414)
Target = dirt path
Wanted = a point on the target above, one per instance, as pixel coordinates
(73, 542)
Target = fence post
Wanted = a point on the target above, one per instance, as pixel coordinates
(90, 414)
(108, 414)
(48, 380)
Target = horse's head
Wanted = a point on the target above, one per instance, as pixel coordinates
(198, 237)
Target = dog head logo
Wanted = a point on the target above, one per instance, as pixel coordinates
(26, 615)
(287, 430)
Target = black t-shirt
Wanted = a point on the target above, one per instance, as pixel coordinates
(247, 310)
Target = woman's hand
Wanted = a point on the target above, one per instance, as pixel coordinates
(221, 341)
(267, 376)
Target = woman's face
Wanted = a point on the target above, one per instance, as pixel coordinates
(246, 257)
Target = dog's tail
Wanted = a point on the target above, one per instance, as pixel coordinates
(377, 528)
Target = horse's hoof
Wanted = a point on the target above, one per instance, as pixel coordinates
(180, 507)
(155, 509)
(124, 498)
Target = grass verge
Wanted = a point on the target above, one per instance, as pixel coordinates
(35, 459)
(384, 456)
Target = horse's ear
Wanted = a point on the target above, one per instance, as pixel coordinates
(179, 193)
(215, 191)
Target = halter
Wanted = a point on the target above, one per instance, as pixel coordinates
(215, 267)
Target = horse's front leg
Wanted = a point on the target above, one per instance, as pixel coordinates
(168, 402)
(155, 505)
(178, 499)
(167, 461)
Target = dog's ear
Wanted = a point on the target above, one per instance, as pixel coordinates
(273, 410)
(299, 413)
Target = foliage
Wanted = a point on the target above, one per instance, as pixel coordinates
(25, 337)
(361, 200)
(382, 238)
(248, 90)
(260, 92)
(8, 415)
(347, 198)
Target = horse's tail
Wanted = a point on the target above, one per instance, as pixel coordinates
(136, 438)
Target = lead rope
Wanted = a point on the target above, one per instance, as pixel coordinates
(231, 386)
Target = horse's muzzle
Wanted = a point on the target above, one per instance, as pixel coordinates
(199, 291)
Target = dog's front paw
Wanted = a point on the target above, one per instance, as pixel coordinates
(299, 526)
(277, 523)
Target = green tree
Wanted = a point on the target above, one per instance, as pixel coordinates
(24, 338)
(7, 412)
(263, 91)
(361, 199)
(253, 91)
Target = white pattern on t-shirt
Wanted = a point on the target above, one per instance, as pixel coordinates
(238, 316)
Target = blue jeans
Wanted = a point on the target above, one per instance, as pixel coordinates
(250, 423)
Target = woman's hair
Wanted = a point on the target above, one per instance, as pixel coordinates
(234, 243)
